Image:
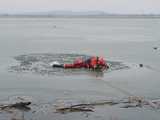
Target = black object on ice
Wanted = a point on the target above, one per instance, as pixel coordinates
(140, 65)
(155, 48)
(58, 66)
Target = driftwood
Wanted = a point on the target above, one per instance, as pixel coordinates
(20, 106)
(131, 102)
(74, 109)
(86, 107)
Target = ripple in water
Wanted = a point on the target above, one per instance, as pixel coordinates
(40, 63)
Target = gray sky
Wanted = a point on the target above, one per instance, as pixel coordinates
(111, 6)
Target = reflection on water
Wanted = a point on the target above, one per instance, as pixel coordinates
(40, 63)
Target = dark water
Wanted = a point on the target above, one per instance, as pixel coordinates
(28, 45)
(40, 64)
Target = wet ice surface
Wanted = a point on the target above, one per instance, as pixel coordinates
(40, 63)
(119, 40)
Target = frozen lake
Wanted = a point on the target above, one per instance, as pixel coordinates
(122, 42)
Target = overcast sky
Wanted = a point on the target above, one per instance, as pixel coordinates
(110, 6)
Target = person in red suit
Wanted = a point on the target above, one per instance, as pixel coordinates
(93, 63)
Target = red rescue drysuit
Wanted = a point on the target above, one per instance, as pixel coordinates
(91, 63)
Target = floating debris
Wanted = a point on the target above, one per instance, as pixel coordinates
(74, 109)
(131, 106)
(140, 65)
(20, 106)
(155, 48)
(68, 106)
(130, 102)
(81, 107)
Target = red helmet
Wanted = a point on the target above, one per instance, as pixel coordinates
(102, 63)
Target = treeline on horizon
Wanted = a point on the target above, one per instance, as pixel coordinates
(85, 16)
(76, 14)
